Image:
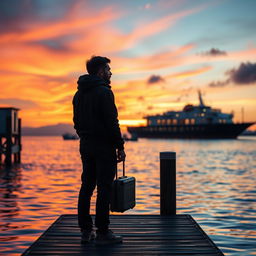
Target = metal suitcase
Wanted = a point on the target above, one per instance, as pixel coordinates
(123, 193)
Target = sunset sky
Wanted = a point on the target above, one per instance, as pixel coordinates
(162, 52)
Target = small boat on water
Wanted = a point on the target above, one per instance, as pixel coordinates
(70, 136)
(199, 122)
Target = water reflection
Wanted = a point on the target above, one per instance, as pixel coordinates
(10, 185)
(215, 184)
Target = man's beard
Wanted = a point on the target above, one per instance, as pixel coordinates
(107, 79)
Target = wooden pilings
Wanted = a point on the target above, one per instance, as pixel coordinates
(10, 144)
(17, 144)
(19, 141)
(167, 183)
(1, 142)
(8, 149)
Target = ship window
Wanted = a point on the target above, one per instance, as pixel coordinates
(158, 121)
(204, 109)
(202, 114)
(149, 122)
(186, 121)
(192, 121)
(169, 121)
(163, 121)
(177, 115)
(174, 121)
(224, 121)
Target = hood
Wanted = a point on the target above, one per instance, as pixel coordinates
(88, 82)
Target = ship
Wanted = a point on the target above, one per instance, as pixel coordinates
(194, 121)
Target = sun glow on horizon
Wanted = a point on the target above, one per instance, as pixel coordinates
(138, 122)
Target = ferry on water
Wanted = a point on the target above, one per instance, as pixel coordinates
(192, 122)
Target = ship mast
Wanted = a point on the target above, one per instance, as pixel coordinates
(200, 99)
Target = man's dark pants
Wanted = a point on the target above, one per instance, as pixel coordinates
(99, 167)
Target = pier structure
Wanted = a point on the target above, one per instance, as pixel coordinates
(10, 136)
(165, 234)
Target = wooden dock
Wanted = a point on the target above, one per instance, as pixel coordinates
(178, 235)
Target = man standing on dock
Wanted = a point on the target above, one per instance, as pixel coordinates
(101, 147)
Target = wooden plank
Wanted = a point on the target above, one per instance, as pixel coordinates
(142, 234)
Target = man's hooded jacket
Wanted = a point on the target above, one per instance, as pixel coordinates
(95, 114)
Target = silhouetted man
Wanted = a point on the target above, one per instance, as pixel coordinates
(101, 147)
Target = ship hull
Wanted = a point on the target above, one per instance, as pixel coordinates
(207, 131)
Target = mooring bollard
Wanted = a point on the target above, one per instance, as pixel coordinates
(167, 183)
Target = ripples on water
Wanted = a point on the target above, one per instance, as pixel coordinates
(215, 184)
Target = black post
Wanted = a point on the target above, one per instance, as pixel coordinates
(8, 153)
(16, 153)
(167, 183)
(1, 148)
(19, 141)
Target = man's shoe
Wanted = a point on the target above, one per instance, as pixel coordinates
(107, 238)
(87, 236)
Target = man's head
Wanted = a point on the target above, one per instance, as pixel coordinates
(99, 66)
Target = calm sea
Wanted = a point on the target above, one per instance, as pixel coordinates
(215, 184)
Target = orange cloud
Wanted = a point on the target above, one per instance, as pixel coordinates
(169, 58)
(189, 73)
(69, 26)
(155, 27)
(112, 40)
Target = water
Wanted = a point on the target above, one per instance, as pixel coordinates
(215, 184)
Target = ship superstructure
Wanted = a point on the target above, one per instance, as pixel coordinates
(191, 115)
(199, 121)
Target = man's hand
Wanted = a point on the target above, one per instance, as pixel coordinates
(120, 155)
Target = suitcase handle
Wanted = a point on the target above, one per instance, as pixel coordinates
(123, 170)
